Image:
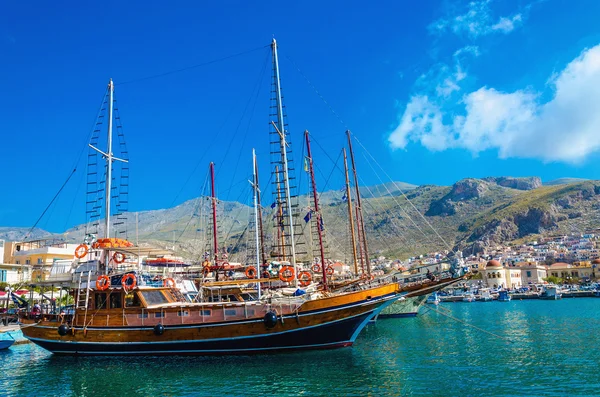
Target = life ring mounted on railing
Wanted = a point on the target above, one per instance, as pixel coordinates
(169, 282)
(251, 272)
(316, 268)
(304, 278)
(128, 281)
(329, 271)
(286, 274)
(102, 283)
(118, 257)
(81, 251)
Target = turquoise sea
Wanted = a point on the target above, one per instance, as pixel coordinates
(553, 351)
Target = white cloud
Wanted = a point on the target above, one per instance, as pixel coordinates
(477, 21)
(565, 128)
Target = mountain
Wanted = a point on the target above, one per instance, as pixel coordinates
(564, 181)
(19, 233)
(401, 219)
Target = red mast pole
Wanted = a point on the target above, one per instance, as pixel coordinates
(214, 212)
(318, 218)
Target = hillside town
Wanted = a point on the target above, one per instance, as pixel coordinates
(567, 259)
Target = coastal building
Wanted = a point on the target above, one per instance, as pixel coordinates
(567, 271)
(38, 255)
(497, 276)
(532, 273)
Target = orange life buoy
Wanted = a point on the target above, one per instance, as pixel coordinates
(266, 274)
(81, 251)
(316, 268)
(329, 271)
(286, 274)
(251, 272)
(169, 282)
(224, 265)
(304, 278)
(118, 257)
(102, 282)
(126, 278)
(205, 270)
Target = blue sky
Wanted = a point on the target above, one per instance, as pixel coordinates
(435, 91)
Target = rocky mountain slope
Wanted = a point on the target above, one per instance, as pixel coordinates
(401, 219)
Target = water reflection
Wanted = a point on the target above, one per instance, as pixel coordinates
(552, 353)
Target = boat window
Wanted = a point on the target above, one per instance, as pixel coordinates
(251, 312)
(154, 297)
(100, 299)
(230, 312)
(143, 315)
(206, 312)
(115, 301)
(183, 313)
(159, 314)
(132, 300)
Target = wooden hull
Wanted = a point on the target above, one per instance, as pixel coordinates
(323, 323)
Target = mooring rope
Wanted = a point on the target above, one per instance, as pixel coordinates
(471, 325)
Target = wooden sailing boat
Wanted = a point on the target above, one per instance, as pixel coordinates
(132, 317)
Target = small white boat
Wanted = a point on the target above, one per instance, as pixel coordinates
(433, 299)
(485, 295)
(550, 292)
(468, 297)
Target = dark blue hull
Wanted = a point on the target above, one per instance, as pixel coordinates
(332, 335)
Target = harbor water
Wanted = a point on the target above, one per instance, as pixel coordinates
(533, 347)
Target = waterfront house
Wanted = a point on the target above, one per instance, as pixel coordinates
(567, 271)
(532, 273)
(38, 254)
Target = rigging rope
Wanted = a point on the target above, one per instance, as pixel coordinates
(193, 66)
(49, 205)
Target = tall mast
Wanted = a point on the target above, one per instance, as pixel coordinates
(318, 214)
(214, 212)
(256, 211)
(109, 160)
(350, 216)
(280, 235)
(263, 254)
(361, 223)
(283, 144)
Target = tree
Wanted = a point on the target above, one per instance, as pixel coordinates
(553, 280)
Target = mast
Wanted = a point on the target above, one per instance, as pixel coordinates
(318, 218)
(256, 211)
(109, 160)
(280, 234)
(263, 254)
(214, 212)
(359, 212)
(283, 144)
(350, 216)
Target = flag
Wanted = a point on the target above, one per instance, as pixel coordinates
(306, 160)
(344, 197)
(321, 224)
(273, 205)
(307, 217)
(20, 302)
